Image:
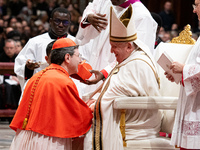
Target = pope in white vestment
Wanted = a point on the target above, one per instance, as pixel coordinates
(186, 131)
(97, 51)
(134, 75)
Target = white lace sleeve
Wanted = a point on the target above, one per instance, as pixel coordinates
(191, 78)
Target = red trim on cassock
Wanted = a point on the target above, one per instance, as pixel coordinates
(104, 73)
(84, 25)
(182, 80)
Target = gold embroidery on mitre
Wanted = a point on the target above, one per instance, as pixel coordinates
(125, 18)
(123, 39)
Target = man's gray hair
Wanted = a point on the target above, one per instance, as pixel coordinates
(9, 41)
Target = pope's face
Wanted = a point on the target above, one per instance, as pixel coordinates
(120, 49)
(60, 23)
(117, 2)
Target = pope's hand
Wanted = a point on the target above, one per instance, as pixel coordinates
(98, 76)
(98, 21)
(32, 65)
(91, 104)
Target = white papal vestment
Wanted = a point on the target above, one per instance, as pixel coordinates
(134, 78)
(97, 51)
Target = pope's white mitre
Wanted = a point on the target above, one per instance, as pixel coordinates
(122, 29)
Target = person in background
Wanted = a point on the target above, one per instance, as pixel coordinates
(9, 53)
(166, 37)
(167, 16)
(1, 39)
(51, 112)
(186, 129)
(18, 46)
(158, 19)
(10, 90)
(33, 53)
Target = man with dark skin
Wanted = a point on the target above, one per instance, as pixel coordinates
(94, 26)
(98, 20)
(31, 59)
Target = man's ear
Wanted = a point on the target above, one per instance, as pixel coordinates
(46, 58)
(67, 58)
(129, 46)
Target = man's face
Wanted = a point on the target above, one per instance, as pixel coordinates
(18, 47)
(120, 49)
(75, 60)
(117, 2)
(60, 23)
(168, 6)
(10, 49)
(197, 8)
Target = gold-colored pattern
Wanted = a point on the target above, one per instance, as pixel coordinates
(25, 122)
(123, 39)
(98, 122)
(122, 126)
(185, 37)
(126, 16)
(123, 112)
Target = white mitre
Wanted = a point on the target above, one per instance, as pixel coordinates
(123, 29)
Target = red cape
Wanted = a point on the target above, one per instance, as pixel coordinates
(56, 109)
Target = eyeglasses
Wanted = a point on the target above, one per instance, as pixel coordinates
(64, 22)
(195, 5)
(80, 56)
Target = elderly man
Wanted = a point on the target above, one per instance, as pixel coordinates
(94, 29)
(9, 51)
(51, 113)
(31, 59)
(134, 75)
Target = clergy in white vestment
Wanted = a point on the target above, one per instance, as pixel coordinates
(135, 74)
(97, 51)
(186, 131)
